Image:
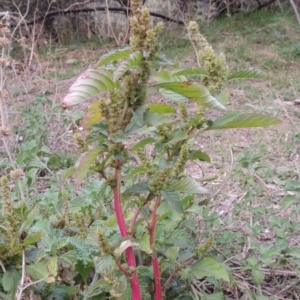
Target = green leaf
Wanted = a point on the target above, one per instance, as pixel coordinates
(197, 154)
(143, 143)
(155, 119)
(137, 188)
(133, 61)
(4, 297)
(113, 56)
(137, 171)
(84, 270)
(68, 173)
(173, 198)
(193, 91)
(190, 72)
(172, 254)
(144, 243)
(246, 74)
(38, 270)
(188, 185)
(111, 221)
(68, 258)
(29, 219)
(257, 276)
(224, 97)
(87, 159)
(92, 116)
(166, 76)
(290, 200)
(52, 265)
(179, 135)
(214, 296)
(161, 108)
(295, 252)
(10, 282)
(208, 267)
(90, 83)
(31, 239)
(165, 210)
(262, 297)
(243, 120)
(137, 120)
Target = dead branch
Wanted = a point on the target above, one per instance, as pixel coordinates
(98, 8)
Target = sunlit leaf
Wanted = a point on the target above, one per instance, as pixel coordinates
(208, 267)
(246, 74)
(243, 120)
(188, 185)
(92, 116)
(144, 243)
(133, 61)
(111, 221)
(113, 56)
(172, 254)
(193, 91)
(38, 270)
(90, 83)
(224, 97)
(161, 108)
(52, 265)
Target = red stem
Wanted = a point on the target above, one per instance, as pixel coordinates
(169, 280)
(155, 263)
(134, 280)
(133, 221)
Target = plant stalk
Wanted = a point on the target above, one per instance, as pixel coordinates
(155, 262)
(134, 281)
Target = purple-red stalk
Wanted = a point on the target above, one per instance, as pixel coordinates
(155, 263)
(134, 280)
